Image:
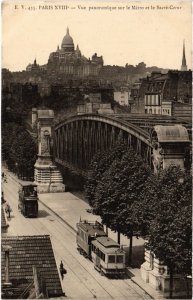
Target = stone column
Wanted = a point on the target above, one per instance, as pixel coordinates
(47, 176)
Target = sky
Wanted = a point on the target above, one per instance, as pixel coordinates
(122, 32)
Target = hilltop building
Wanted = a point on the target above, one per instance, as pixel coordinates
(69, 61)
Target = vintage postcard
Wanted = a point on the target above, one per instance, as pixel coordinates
(96, 118)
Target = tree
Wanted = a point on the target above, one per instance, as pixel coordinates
(118, 189)
(169, 222)
(23, 152)
(99, 164)
(18, 148)
(9, 134)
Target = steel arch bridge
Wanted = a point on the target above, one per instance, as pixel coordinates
(78, 138)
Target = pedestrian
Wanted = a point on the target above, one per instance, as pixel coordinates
(8, 210)
(2, 198)
(3, 176)
(62, 270)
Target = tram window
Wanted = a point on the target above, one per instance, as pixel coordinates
(111, 259)
(119, 259)
(102, 256)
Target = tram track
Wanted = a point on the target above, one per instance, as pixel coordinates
(56, 240)
(131, 286)
(112, 288)
(43, 229)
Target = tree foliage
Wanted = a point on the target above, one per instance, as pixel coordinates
(18, 148)
(100, 163)
(170, 231)
(127, 195)
(119, 188)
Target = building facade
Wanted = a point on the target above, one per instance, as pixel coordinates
(122, 96)
(164, 94)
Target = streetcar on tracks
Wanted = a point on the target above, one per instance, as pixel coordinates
(28, 199)
(107, 255)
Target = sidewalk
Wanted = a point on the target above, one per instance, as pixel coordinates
(70, 209)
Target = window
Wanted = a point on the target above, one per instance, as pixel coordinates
(111, 259)
(119, 259)
(102, 256)
(158, 99)
(150, 102)
(146, 100)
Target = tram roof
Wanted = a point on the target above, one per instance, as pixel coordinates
(107, 245)
(91, 228)
(27, 183)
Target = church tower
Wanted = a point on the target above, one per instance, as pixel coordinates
(183, 66)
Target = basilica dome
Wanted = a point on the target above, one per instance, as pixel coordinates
(67, 42)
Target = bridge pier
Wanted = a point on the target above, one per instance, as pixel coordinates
(47, 175)
(169, 146)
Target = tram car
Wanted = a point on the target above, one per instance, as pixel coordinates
(28, 199)
(107, 255)
(86, 232)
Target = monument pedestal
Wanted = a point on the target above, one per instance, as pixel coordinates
(157, 275)
(48, 177)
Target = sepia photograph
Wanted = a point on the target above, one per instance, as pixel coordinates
(96, 149)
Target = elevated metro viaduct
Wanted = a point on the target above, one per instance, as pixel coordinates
(160, 140)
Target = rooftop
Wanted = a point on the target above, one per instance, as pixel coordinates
(26, 252)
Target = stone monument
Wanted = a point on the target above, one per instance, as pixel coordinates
(47, 175)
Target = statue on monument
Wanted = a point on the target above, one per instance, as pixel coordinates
(45, 143)
(157, 157)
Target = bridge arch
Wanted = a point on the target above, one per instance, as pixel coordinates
(78, 138)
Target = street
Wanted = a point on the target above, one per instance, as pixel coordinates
(82, 281)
